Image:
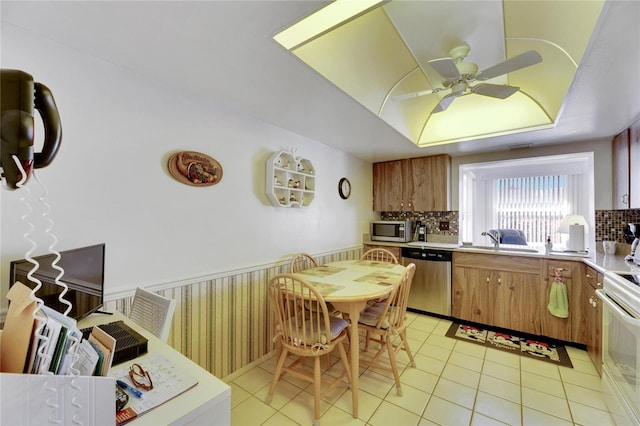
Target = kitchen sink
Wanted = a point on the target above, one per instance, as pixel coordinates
(501, 249)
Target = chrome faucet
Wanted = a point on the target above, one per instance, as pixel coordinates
(496, 242)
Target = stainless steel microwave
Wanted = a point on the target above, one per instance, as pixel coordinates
(392, 230)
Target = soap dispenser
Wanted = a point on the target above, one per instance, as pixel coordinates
(548, 246)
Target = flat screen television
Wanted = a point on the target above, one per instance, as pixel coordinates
(83, 274)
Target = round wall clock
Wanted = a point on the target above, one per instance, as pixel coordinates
(344, 188)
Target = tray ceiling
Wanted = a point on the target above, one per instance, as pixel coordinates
(384, 53)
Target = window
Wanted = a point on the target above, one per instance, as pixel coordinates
(532, 195)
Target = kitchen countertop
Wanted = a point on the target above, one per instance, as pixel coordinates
(599, 261)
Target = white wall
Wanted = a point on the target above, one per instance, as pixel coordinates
(109, 182)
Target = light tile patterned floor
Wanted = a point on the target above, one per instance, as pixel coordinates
(454, 383)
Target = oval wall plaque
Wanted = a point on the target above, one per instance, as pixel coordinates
(194, 168)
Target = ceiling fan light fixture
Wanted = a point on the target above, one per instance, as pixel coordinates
(467, 68)
(458, 88)
(458, 53)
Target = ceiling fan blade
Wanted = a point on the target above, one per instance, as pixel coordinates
(494, 90)
(517, 62)
(415, 94)
(446, 68)
(444, 103)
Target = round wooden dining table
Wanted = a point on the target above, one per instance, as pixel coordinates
(348, 285)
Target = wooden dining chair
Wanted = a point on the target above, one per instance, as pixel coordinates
(379, 254)
(384, 323)
(300, 262)
(305, 333)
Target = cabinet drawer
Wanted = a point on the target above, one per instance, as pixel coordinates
(591, 278)
(499, 262)
(566, 269)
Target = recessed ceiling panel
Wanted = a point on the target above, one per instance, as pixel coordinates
(430, 29)
(473, 117)
(364, 57)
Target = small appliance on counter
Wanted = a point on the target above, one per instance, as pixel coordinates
(421, 231)
(632, 236)
(397, 231)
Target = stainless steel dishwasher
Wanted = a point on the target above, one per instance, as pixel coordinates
(431, 287)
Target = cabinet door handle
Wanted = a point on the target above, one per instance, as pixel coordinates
(487, 279)
(598, 284)
(589, 276)
(625, 199)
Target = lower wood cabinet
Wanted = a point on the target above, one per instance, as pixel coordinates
(501, 291)
(552, 326)
(513, 292)
(592, 306)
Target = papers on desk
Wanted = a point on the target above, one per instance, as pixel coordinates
(169, 381)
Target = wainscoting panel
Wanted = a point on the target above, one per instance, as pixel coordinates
(224, 323)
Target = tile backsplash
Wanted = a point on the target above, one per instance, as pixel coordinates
(431, 219)
(610, 224)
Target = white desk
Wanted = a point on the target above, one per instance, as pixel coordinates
(209, 402)
(348, 285)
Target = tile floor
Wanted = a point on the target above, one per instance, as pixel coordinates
(454, 383)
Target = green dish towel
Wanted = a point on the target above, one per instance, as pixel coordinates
(558, 300)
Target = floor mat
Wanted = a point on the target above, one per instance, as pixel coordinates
(536, 349)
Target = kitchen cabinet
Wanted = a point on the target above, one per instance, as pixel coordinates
(634, 166)
(621, 170)
(626, 168)
(397, 251)
(566, 329)
(500, 291)
(387, 186)
(414, 184)
(593, 316)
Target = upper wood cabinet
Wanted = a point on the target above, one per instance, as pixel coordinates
(414, 184)
(387, 186)
(634, 166)
(626, 168)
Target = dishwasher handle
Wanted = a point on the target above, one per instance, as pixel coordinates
(427, 254)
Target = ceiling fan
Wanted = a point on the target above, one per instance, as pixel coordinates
(457, 76)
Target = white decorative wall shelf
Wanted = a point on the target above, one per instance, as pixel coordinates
(291, 180)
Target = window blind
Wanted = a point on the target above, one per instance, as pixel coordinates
(535, 204)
